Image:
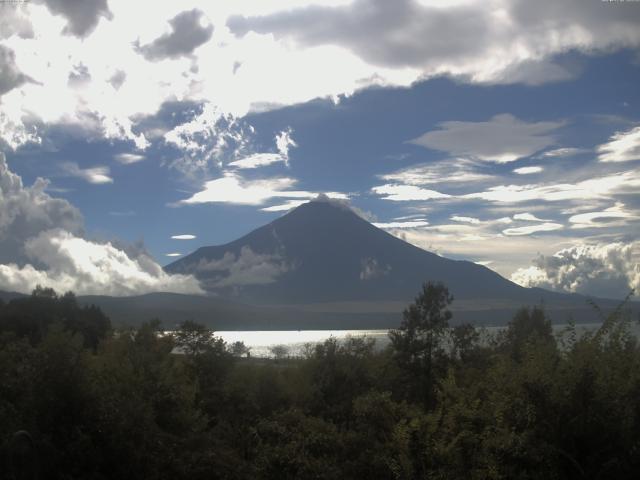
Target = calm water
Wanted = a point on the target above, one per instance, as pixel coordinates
(261, 342)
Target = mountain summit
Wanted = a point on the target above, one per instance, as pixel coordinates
(324, 252)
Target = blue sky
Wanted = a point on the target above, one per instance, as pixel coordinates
(499, 132)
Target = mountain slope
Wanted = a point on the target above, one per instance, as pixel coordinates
(324, 252)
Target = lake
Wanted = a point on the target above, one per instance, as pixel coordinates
(261, 341)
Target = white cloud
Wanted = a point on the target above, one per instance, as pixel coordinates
(96, 175)
(231, 188)
(622, 147)
(41, 242)
(501, 139)
(26, 211)
(529, 229)
(591, 189)
(284, 207)
(270, 54)
(283, 142)
(461, 219)
(401, 193)
(247, 268)
(529, 217)
(604, 270)
(406, 224)
(173, 254)
(129, 158)
(527, 170)
(458, 170)
(258, 160)
(610, 217)
(563, 152)
(85, 267)
(183, 237)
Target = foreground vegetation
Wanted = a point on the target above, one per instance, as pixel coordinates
(79, 400)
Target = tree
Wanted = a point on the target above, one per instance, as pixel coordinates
(418, 343)
(239, 349)
(279, 351)
(464, 339)
(527, 326)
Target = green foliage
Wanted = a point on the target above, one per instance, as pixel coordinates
(31, 317)
(419, 342)
(440, 403)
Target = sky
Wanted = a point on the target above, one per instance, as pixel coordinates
(505, 132)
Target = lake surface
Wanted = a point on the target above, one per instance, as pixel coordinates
(295, 341)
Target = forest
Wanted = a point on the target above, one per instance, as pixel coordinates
(82, 399)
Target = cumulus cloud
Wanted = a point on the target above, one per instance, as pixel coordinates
(604, 270)
(501, 139)
(95, 175)
(188, 32)
(26, 211)
(622, 147)
(42, 242)
(246, 268)
(85, 267)
(82, 17)
(10, 76)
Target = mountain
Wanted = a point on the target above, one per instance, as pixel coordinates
(324, 252)
(323, 258)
